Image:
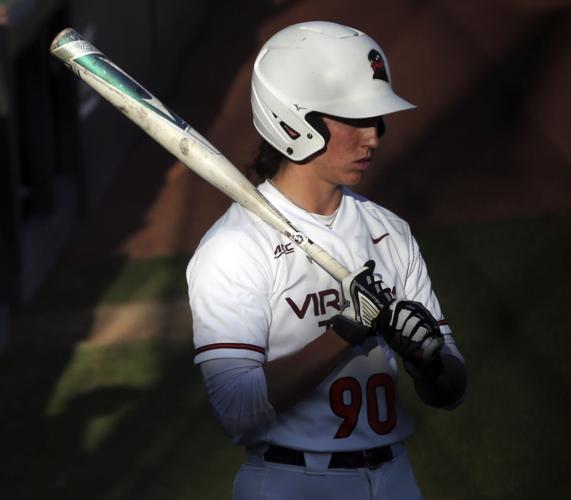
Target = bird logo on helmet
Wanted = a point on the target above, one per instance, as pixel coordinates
(378, 65)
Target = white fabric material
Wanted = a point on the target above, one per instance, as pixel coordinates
(238, 394)
(394, 480)
(326, 220)
(254, 295)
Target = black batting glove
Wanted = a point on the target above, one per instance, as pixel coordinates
(364, 297)
(411, 331)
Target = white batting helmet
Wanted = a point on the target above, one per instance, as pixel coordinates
(319, 67)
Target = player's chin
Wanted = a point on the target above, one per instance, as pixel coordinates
(353, 178)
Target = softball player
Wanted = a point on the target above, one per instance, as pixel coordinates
(299, 369)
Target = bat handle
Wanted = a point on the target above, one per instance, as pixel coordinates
(326, 261)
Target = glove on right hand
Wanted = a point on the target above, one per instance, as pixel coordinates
(411, 331)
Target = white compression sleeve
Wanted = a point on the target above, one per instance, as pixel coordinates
(238, 395)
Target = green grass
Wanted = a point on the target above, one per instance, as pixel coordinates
(130, 421)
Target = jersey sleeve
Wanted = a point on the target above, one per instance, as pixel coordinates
(238, 395)
(228, 284)
(418, 287)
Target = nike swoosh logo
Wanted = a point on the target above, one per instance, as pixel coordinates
(376, 240)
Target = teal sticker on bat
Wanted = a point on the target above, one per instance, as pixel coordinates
(100, 66)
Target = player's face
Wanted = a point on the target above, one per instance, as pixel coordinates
(349, 150)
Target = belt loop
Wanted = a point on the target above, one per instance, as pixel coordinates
(317, 463)
(255, 454)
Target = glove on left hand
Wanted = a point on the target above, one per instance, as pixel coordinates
(365, 296)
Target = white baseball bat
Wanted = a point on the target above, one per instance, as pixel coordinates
(178, 138)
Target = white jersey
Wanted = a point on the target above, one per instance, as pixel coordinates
(254, 294)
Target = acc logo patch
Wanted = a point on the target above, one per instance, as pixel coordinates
(378, 65)
(283, 249)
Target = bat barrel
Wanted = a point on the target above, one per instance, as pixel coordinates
(177, 137)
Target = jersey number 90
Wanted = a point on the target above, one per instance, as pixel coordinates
(348, 408)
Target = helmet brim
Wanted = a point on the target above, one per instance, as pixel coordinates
(367, 107)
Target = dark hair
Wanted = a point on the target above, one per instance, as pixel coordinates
(266, 163)
(268, 159)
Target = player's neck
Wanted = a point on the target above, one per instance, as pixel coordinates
(312, 194)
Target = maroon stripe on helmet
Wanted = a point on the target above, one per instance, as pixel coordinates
(442, 322)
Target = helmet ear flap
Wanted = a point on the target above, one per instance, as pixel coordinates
(315, 119)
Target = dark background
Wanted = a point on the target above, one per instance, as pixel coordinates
(94, 215)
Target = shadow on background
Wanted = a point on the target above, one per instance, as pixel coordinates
(492, 153)
(139, 425)
(44, 449)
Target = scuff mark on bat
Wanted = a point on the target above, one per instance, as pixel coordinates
(184, 146)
